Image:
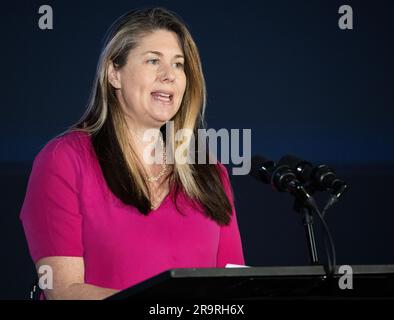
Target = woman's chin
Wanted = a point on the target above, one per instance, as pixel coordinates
(162, 118)
(163, 114)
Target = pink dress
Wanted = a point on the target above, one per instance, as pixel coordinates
(70, 211)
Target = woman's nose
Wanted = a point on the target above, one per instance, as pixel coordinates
(167, 73)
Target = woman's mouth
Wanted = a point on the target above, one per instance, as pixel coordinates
(162, 97)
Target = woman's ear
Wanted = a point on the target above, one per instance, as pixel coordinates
(114, 76)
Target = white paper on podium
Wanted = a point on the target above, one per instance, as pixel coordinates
(229, 265)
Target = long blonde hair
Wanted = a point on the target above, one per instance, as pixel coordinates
(105, 122)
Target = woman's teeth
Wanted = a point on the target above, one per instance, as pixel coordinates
(161, 96)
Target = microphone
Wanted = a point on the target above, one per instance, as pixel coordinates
(281, 178)
(322, 177)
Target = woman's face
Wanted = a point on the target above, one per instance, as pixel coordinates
(151, 85)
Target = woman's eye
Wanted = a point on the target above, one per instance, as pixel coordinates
(153, 61)
(179, 65)
(156, 61)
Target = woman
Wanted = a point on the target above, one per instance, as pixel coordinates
(95, 211)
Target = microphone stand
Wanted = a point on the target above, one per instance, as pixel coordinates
(307, 219)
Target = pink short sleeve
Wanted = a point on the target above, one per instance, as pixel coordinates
(50, 213)
(230, 244)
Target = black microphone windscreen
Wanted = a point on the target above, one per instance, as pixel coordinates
(302, 168)
(260, 167)
(290, 160)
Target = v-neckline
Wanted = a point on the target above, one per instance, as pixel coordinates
(163, 201)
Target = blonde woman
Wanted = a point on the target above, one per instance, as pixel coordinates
(99, 215)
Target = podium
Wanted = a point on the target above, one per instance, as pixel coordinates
(262, 283)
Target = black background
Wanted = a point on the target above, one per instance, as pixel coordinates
(281, 68)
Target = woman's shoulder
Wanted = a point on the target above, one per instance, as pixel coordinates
(70, 145)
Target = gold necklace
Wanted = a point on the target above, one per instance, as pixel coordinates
(164, 165)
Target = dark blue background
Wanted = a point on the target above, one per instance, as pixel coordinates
(282, 68)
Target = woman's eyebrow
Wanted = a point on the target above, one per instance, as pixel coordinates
(160, 54)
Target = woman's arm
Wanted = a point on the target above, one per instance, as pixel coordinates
(230, 243)
(68, 280)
